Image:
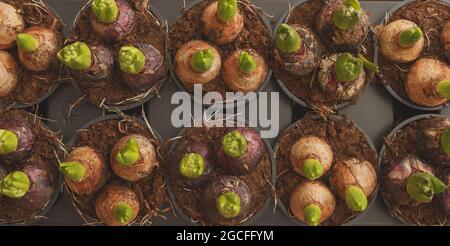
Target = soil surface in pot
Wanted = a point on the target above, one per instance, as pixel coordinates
(47, 146)
(306, 87)
(430, 16)
(346, 141)
(32, 86)
(151, 191)
(189, 200)
(404, 142)
(254, 35)
(147, 29)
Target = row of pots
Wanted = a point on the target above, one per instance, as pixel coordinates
(283, 177)
(130, 104)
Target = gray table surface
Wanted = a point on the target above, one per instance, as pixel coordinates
(376, 112)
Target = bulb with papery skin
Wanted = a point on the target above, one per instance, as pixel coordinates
(312, 202)
(37, 48)
(239, 151)
(354, 181)
(8, 74)
(17, 140)
(434, 141)
(117, 205)
(397, 174)
(244, 71)
(343, 23)
(87, 63)
(311, 157)
(304, 59)
(85, 170)
(226, 200)
(221, 21)
(193, 166)
(149, 62)
(11, 24)
(133, 157)
(112, 19)
(41, 186)
(428, 82)
(341, 76)
(183, 64)
(389, 39)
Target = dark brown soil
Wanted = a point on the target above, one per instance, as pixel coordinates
(306, 87)
(254, 35)
(47, 147)
(151, 191)
(189, 200)
(345, 139)
(430, 16)
(32, 86)
(404, 142)
(147, 29)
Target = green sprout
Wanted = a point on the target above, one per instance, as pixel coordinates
(73, 170)
(15, 185)
(76, 56)
(227, 10)
(347, 16)
(106, 11)
(229, 204)
(26, 42)
(247, 63)
(410, 37)
(131, 60)
(445, 141)
(347, 67)
(287, 39)
(312, 169)
(423, 186)
(129, 154)
(192, 165)
(369, 65)
(312, 214)
(443, 88)
(355, 199)
(123, 213)
(202, 60)
(234, 144)
(8, 142)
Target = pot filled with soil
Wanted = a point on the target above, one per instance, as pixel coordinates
(414, 53)
(222, 45)
(29, 179)
(322, 52)
(31, 34)
(116, 52)
(114, 173)
(414, 170)
(327, 172)
(220, 175)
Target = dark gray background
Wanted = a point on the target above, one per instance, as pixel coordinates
(375, 112)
